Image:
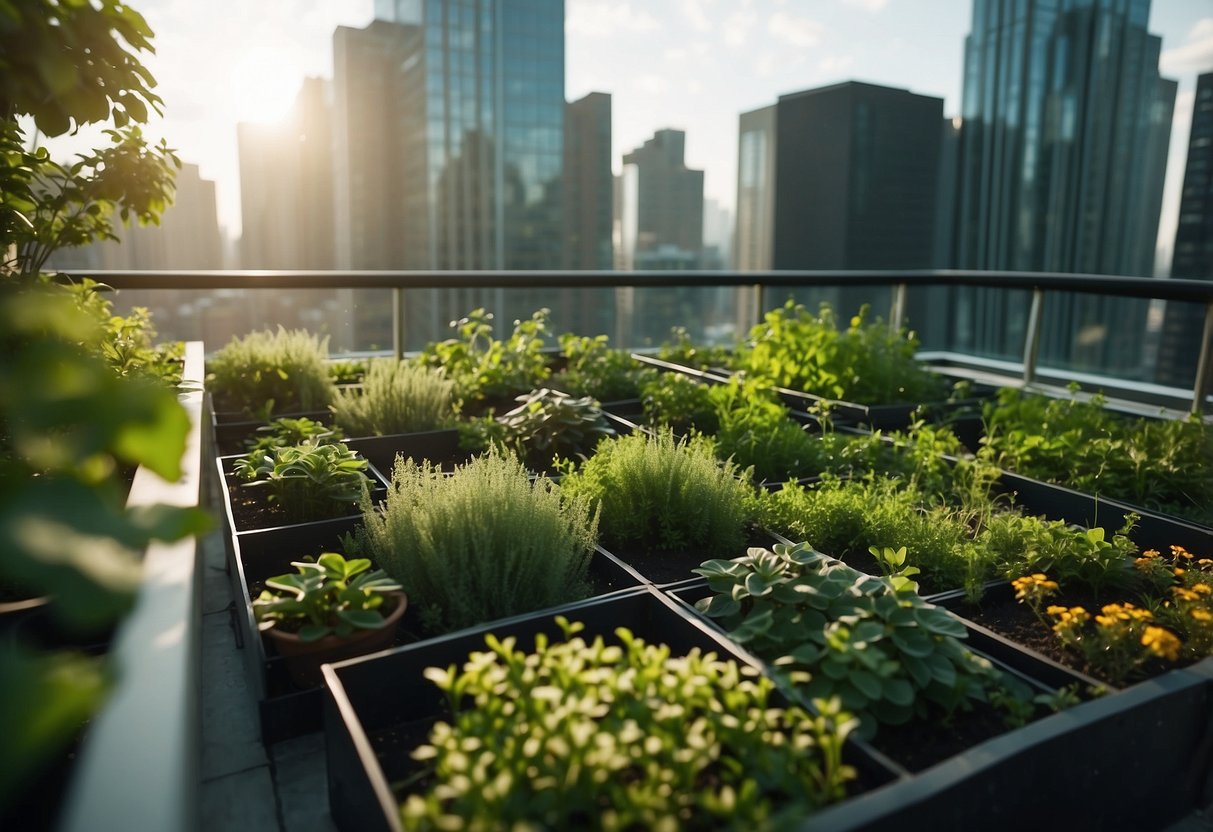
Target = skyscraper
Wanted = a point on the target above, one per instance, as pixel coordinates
(1193, 255)
(588, 183)
(450, 135)
(286, 186)
(1062, 155)
(662, 205)
(840, 177)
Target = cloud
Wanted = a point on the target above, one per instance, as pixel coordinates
(653, 84)
(604, 18)
(795, 30)
(1196, 53)
(694, 12)
(737, 27)
(835, 65)
(872, 6)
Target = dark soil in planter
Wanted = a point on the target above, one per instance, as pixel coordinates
(251, 508)
(921, 743)
(665, 567)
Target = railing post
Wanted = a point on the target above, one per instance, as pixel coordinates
(897, 310)
(759, 309)
(398, 323)
(1200, 387)
(1031, 337)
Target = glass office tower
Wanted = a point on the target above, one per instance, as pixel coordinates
(1062, 157)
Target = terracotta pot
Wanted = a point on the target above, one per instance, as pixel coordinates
(303, 658)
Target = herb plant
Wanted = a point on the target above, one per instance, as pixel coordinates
(864, 363)
(664, 494)
(483, 543)
(678, 402)
(886, 654)
(594, 369)
(560, 739)
(548, 424)
(330, 596)
(1164, 465)
(281, 433)
(395, 398)
(310, 481)
(681, 349)
(272, 372)
(347, 372)
(484, 368)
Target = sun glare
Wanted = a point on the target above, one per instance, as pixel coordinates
(264, 83)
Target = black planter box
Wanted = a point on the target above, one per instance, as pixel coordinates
(673, 577)
(230, 429)
(1153, 530)
(437, 446)
(1139, 759)
(224, 464)
(369, 697)
(287, 711)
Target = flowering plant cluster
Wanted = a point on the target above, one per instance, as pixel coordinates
(1117, 642)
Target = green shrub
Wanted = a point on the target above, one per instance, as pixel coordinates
(310, 482)
(665, 495)
(594, 369)
(483, 543)
(887, 655)
(272, 372)
(560, 739)
(847, 518)
(395, 398)
(484, 368)
(865, 363)
(680, 349)
(678, 402)
(1166, 465)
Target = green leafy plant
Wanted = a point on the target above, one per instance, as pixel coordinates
(682, 349)
(885, 653)
(865, 363)
(594, 369)
(266, 372)
(559, 739)
(665, 495)
(1165, 465)
(484, 368)
(310, 481)
(285, 432)
(328, 596)
(678, 402)
(485, 542)
(548, 424)
(74, 405)
(396, 398)
(347, 372)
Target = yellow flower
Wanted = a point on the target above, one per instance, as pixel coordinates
(1201, 615)
(1150, 553)
(1202, 589)
(1054, 609)
(1161, 643)
(1180, 552)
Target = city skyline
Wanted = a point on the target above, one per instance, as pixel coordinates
(660, 62)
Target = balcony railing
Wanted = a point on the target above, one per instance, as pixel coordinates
(1002, 334)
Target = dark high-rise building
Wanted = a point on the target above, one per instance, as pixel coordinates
(1061, 163)
(662, 205)
(1193, 254)
(841, 177)
(588, 183)
(450, 135)
(286, 186)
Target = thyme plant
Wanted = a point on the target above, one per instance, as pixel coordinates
(396, 397)
(272, 372)
(485, 542)
(665, 495)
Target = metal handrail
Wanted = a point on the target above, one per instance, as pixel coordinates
(1039, 283)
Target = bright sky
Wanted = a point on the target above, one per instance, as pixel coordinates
(687, 64)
